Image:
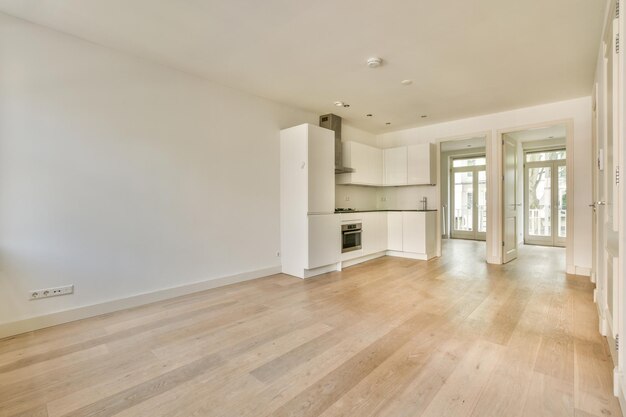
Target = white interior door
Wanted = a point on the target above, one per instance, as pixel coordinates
(509, 200)
(608, 116)
(607, 206)
(597, 187)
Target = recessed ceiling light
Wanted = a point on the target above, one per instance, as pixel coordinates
(423, 116)
(374, 62)
(339, 103)
(388, 123)
(406, 82)
(369, 115)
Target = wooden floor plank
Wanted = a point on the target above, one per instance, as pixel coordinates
(391, 337)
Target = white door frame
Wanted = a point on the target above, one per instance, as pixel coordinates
(569, 146)
(487, 134)
(554, 239)
(460, 234)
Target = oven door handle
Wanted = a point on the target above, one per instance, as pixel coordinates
(353, 232)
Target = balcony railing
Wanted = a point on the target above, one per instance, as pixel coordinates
(540, 222)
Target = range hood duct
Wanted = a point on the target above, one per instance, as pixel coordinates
(333, 122)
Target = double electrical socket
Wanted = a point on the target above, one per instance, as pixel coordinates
(51, 292)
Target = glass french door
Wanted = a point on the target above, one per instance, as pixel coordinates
(545, 198)
(468, 197)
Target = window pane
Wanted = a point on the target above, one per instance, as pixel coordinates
(463, 200)
(482, 201)
(539, 202)
(545, 155)
(562, 201)
(468, 162)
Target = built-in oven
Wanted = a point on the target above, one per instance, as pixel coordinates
(350, 237)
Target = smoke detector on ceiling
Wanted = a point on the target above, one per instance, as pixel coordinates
(374, 62)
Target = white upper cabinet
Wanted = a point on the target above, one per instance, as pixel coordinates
(421, 164)
(395, 166)
(367, 162)
(402, 165)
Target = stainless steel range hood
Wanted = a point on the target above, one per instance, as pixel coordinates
(333, 122)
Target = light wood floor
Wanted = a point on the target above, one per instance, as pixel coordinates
(392, 337)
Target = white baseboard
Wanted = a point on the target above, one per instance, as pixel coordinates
(494, 260)
(582, 270)
(410, 255)
(603, 326)
(362, 259)
(308, 273)
(65, 316)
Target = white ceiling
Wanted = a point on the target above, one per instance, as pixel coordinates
(465, 57)
(542, 133)
(457, 145)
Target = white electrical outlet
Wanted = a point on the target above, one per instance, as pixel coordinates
(51, 292)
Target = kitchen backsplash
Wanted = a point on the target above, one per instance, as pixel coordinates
(355, 196)
(380, 198)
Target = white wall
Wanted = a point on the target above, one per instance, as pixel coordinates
(578, 110)
(125, 177)
(351, 133)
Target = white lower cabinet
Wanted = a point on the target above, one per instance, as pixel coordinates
(394, 230)
(413, 236)
(407, 234)
(374, 237)
(324, 240)
(413, 233)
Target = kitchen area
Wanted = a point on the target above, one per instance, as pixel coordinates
(346, 202)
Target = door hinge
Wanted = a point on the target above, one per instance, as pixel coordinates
(617, 9)
(617, 43)
(617, 342)
(502, 243)
(617, 175)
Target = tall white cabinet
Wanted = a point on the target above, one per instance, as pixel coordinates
(310, 231)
